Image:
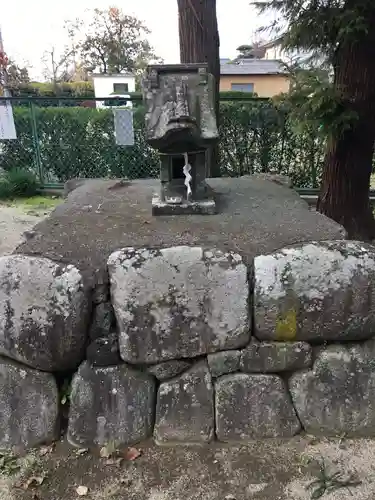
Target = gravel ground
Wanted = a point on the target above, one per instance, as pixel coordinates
(13, 223)
(20, 218)
(265, 470)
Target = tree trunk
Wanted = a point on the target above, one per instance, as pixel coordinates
(344, 194)
(199, 42)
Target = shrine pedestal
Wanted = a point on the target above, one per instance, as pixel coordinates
(194, 207)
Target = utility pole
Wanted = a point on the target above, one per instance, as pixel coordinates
(3, 74)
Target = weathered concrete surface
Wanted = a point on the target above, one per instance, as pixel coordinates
(13, 224)
(221, 363)
(110, 405)
(282, 180)
(169, 369)
(178, 302)
(254, 217)
(29, 403)
(316, 292)
(253, 407)
(338, 396)
(44, 309)
(274, 357)
(185, 408)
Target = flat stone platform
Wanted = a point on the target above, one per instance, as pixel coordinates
(255, 216)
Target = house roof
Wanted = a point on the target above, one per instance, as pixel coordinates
(273, 43)
(253, 67)
(112, 75)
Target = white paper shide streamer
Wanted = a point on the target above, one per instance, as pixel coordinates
(188, 178)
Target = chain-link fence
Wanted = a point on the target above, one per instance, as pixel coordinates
(60, 139)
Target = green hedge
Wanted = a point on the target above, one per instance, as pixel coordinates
(84, 90)
(43, 89)
(79, 142)
(256, 137)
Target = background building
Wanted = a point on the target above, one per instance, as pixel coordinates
(113, 85)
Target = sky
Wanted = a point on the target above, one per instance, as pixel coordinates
(30, 28)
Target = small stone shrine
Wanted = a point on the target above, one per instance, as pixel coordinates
(181, 125)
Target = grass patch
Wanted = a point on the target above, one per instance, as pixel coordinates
(40, 202)
(34, 203)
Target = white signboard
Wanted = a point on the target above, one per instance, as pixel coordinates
(7, 127)
(124, 129)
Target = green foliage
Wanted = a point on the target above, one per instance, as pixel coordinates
(314, 104)
(319, 25)
(235, 94)
(327, 482)
(323, 29)
(65, 391)
(36, 89)
(113, 42)
(78, 142)
(257, 137)
(5, 188)
(16, 75)
(18, 182)
(9, 463)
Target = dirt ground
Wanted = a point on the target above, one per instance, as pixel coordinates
(19, 217)
(269, 470)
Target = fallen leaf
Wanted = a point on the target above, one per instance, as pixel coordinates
(104, 452)
(82, 491)
(108, 450)
(82, 451)
(33, 481)
(131, 454)
(45, 450)
(114, 461)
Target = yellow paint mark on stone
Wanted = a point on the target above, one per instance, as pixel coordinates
(286, 326)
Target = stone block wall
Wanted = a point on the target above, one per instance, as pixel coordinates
(189, 345)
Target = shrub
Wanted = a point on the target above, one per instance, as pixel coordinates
(18, 183)
(237, 95)
(255, 136)
(5, 188)
(45, 89)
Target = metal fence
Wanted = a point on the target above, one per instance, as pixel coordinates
(60, 139)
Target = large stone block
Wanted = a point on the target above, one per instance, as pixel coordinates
(221, 363)
(178, 302)
(317, 292)
(29, 403)
(43, 313)
(337, 396)
(169, 369)
(185, 408)
(110, 405)
(274, 357)
(253, 407)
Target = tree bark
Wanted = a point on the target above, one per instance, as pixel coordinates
(344, 195)
(199, 42)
